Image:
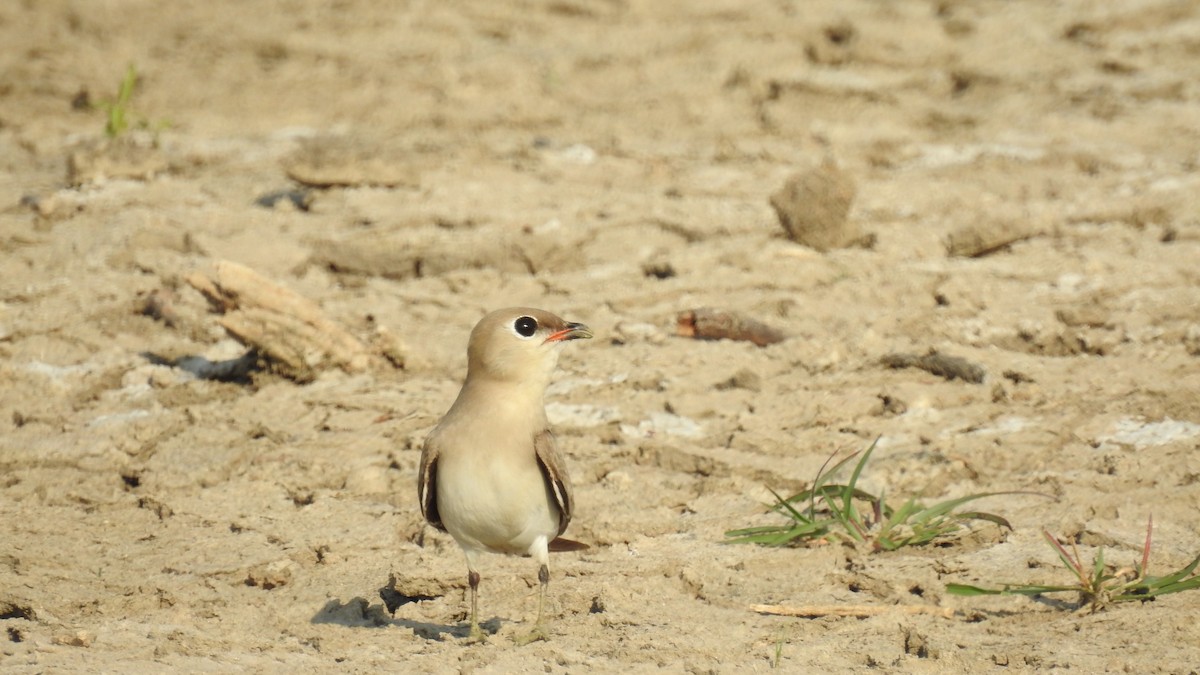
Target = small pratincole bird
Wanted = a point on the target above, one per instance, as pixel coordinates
(490, 473)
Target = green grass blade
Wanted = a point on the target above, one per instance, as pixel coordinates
(802, 496)
(901, 515)
(826, 473)
(980, 515)
(1147, 591)
(776, 536)
(858, 469)
(775, 539)
(943, 508)
(1175, 587)
(1009, 589)
(924, 533)
(970, 591)
(1098, 575)
(842, 518)
(1175, 576)
(795, 515)
(823, 475)
(847, 515)
(751, 531)
(117, 122)
(833, 490)
(1065, 557)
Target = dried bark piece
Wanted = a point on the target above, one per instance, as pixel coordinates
(287, 343)
(812, 207)
(986, 237)
(949, 367)
(706, 323)
(288, 329)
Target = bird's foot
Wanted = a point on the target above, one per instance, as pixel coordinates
(539, 632)
(476, 635)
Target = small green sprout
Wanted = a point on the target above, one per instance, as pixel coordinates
(118, 109)
(118, 112)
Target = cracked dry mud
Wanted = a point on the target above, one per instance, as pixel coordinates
(1029, 177)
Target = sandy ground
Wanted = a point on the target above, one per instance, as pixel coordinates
(611, 161)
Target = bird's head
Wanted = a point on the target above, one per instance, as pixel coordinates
(519, 344)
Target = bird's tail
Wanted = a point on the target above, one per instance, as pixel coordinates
(561, 545)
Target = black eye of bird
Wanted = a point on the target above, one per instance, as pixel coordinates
(526, 326)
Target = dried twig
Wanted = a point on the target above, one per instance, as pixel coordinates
(713, 324)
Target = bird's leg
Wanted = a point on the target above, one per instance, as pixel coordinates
(476, 634)
(543, 582)
(539, 629)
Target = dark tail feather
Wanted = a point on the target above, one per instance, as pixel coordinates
(561, 545)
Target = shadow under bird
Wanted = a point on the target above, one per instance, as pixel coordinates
(490, 473)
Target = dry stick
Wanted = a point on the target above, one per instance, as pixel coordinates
(713, 324)
(813, 611)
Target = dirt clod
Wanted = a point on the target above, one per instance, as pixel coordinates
(813, 206)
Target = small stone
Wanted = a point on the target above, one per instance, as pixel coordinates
(812, 207)
(271, 575)
(743, 379)
(1089, 317)
(79, 638)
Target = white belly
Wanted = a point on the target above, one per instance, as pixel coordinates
(492, 506)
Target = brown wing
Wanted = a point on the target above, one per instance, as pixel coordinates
(555, 471)
(427, 485)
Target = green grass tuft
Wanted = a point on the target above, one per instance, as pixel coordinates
(844, 511)
(1098, 585)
